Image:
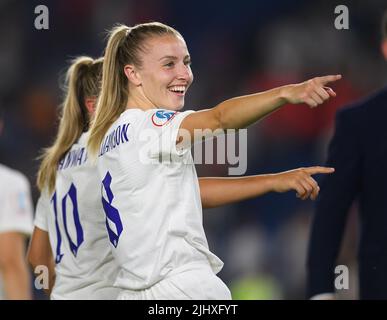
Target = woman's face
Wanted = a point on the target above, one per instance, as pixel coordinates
(165, 73)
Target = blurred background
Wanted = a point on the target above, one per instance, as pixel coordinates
(237, 47)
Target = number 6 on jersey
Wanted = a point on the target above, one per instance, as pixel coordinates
(112, 214)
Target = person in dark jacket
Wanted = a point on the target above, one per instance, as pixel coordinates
(358, 152)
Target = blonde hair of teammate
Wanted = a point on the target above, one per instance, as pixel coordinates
(82, 82)
(123, 47)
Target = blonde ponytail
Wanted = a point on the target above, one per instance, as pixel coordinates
(114, 89)
(82, 81)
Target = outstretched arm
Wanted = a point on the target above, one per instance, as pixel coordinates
(215, 192)
(240, 112)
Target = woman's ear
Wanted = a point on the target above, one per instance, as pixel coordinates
(384, 48)
(132, 74)
(90, 104)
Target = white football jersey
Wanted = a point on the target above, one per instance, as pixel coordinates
(16, 209)
(153, 207)
(74, 218)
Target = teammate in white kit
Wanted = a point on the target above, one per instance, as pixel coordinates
(153, 206)
(69, 215)
(16, 222)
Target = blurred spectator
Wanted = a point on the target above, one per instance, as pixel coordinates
(358, 152)
(16, 214)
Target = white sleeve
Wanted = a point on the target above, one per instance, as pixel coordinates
(16, 213)
(160, 127)
(42, 211)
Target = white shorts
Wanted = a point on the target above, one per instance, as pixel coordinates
(195, 284)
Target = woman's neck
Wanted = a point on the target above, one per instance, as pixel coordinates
(139, 101)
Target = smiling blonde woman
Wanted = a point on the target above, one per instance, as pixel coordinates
(154, 208)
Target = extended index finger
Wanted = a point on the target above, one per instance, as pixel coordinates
(316, 170)
(331, 78)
